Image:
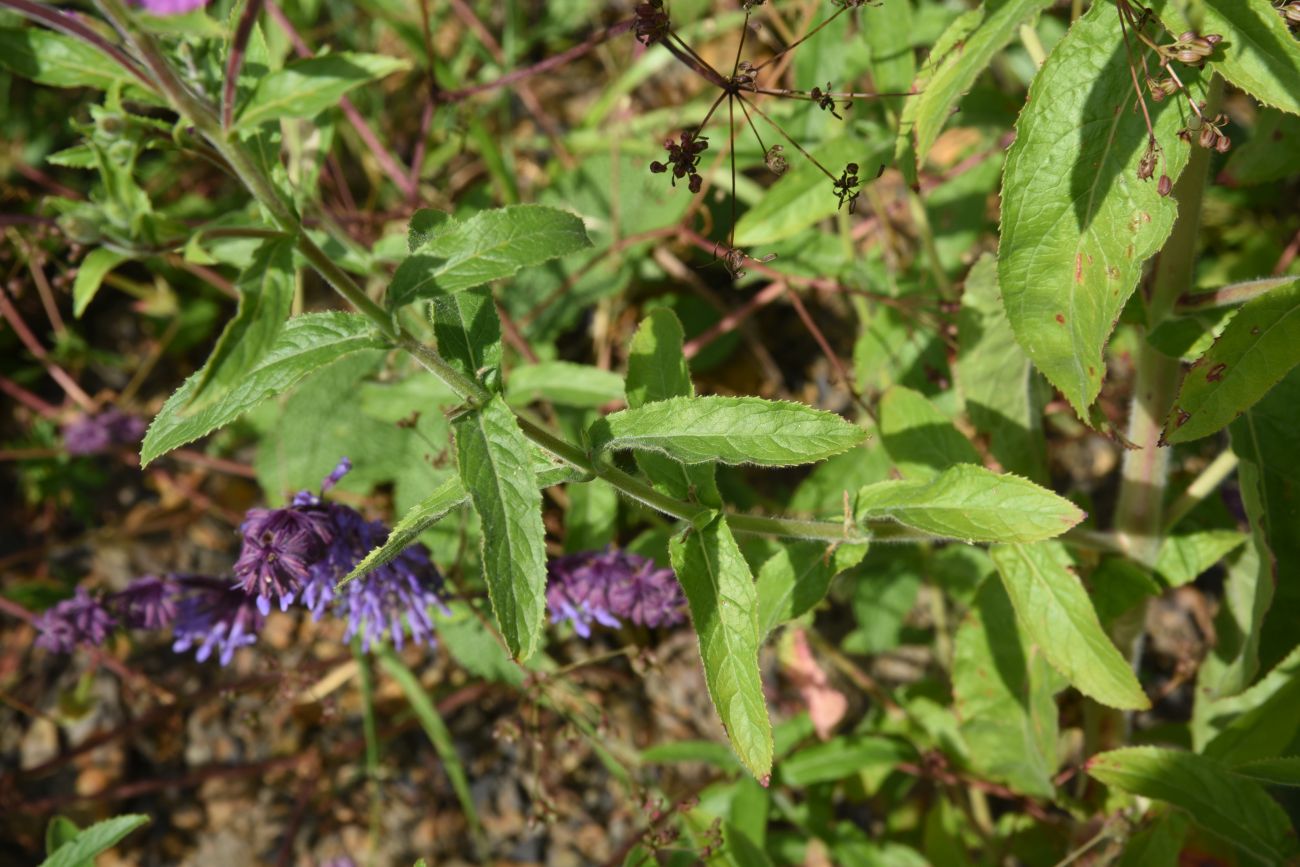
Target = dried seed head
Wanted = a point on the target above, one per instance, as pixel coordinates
(650, 22)
(775, 159)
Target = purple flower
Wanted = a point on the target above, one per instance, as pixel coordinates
(393, 598)
(215, 615)
(79, 620)
(146, 603)
(604, 586)
(88, 435)
(171, 7)
(280, 547)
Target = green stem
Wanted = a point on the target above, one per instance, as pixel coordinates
(366, 680)
(205, 120)
(1139, 518)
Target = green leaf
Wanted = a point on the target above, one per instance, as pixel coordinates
(60, 830)
(496, 467)
(439, 735)
(702, 752)
(1054, 611)
(996, 380)
(306, 87)
(564, 383)
(957, 70)
(656, 370)
(1260, 345)
(1235, 809)
(468, 331)
(59, 61)
(1003, 692)
(1258, 53)
(1077, 224)
(1183, 558)
(90, 276)
(724, 608)
(266, 289)
(796, 578)
(1259, 723)
(971, 503)
(305, 345)
(94, 841)
(428, 512)
(803, 196)
(1260, 160)
(731, 430)
(919, 438)
(474, 648)
(1157, 845)
(488, 246)
(842, 757)
(1283, 771)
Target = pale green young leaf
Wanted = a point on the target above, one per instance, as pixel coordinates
(1258, 53)
(432, 509)
(94, 841)
(1077, 224)
(971, 503)
(492, 244)
(1184, 557)
(920, 439)
(796, 578)
(1003, 692)
(1235, 809)
(957, 70)
(468, 331)
(90, 276)
(305, 345)
(306, 87)
(1259, 346)
(997, 383)
(1054, 610)
(266, 289)
(657, 370)
(724, 609)
(1259, 723)
(730, 430)
(564, 383)
(59, 61)
(496, 467)
(842, 757)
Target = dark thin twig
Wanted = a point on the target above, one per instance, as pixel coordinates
(802, 39)
(776, 126)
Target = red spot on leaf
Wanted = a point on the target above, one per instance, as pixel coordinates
(1183, 418)
(1216, 372)
(1060, 318)
(1078, 267)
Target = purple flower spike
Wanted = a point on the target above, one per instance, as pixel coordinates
(146, 603)
(88, 435)
(280, 547)
(79, 620)
(171, 7)
(214, 615)
(610, 586)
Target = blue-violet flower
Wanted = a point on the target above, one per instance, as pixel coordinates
(79, 620)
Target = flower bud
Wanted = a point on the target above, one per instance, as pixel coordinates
(1208, 136)
(1165, 186)
(1223, 144)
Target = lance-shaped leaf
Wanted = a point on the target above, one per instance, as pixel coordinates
(724, 608)
(1235, 809)
(88, 843)
(971, 503)
(1077, 224)
(564, 383)
(1055, 612)
(656, 370)
(986, 31)
(731, 430)
(1260, 345)
(305, 345)
(90, 276)
(1283, 771)
(1257, 54)
(305, 88)
(56, 60)
(1259, 723)
(458, 255)
(796, 578)
(496, 466)
(429, 511)
(265, 298)
(1003, 692)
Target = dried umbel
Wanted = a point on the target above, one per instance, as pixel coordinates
(826, 101)
(846, 187)
(684, 158)
(650, 22)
